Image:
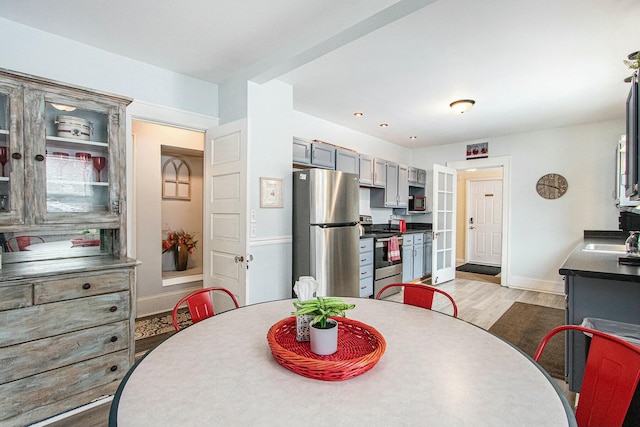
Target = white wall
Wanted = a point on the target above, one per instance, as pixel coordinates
(543, 232)
(42, 54)
(269, 108)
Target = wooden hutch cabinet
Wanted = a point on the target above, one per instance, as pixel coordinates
(67, 290)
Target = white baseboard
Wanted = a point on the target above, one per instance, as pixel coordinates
(147, 306)
(529, 284)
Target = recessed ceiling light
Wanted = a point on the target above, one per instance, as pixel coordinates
(358, 114)
(413, 137)
(384, 125)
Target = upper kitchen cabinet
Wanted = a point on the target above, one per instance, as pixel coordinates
(379, 172)
(365, 170)
(417, 177)
(66, 152)
(395, 194)
(314, 154)
(347, 161)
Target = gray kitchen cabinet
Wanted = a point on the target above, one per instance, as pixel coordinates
(315, 154)
(418, 256)
(379, 172)
(602, 298)
(391, 187)
(417, 177)
(366, 267)
(68, 337)
(422, 177)
(66, 150)
(407, 257)
(347, 161)
(301, 151)
(365, 169)
(428, 240)
(403, 187)
(323, 155)
(412, 256)
(395, 193)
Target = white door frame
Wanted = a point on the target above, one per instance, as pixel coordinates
(152, 113)
(505, 164)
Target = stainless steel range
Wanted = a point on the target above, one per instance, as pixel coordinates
(386, 272)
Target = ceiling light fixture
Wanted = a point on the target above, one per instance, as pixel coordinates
(358, 114)
(462, 105)
(413, 137)
(384, 125)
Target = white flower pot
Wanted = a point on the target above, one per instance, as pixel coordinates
(324, 341)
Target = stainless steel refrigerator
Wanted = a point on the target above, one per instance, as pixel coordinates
(325, 230)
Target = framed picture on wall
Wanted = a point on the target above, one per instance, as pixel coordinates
(271, 193)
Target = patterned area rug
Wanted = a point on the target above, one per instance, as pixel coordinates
(157, 325)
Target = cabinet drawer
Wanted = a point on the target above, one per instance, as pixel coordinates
(54, 352)
(47, 320)
(418, 239)
(49, 387)
(366, 258)
(407, 239)
(15, 297)
(366, 287)
(366, 245)
(366, 271)
(78, 287)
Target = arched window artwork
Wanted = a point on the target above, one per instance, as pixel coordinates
(176, 179)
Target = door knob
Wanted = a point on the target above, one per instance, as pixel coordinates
(472, 227)
(239, 258)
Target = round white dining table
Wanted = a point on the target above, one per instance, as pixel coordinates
(436, 371)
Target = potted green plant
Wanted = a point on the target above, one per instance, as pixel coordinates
(323, 331)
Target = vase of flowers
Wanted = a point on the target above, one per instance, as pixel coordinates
(181, 243)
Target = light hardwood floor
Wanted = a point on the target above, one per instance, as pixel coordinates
(480, 300)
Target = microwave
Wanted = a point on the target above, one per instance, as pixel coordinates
(417, 203)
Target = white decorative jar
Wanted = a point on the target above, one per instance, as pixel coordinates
(73, 127)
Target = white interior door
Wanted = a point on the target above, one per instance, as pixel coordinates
(484, 222)
(226, 209)
(444, 224)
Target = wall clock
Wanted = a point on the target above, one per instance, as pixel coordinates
(552, 186)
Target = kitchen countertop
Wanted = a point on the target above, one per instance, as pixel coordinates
(412, 228)
(599, 265)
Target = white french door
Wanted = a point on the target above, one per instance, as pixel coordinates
(225, 207)
(444, 224)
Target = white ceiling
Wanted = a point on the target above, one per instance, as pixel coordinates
(529, 64)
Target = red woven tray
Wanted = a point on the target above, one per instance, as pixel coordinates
(359, 348)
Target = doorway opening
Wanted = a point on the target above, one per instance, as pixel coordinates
(477, 169)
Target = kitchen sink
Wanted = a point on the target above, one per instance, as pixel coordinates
(605, 248)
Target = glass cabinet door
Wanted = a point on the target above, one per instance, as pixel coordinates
(73, 154)
(11, 170)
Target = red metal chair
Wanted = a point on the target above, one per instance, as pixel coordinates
(610, 377)
(200, 305)
(420, 295)
(21, 242)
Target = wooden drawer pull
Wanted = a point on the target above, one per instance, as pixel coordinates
(114, 368)
(113, 309)
(114, 338)
(86, 286)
